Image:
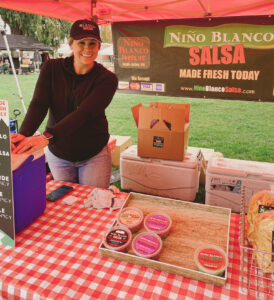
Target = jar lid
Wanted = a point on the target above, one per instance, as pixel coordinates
(158, 222)
(211, 259)
(117, 238)
(147, 244)
(131, 217)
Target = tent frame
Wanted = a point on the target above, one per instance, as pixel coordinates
(3, 33)
(109, 11)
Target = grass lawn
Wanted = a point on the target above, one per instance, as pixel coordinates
(237, 129)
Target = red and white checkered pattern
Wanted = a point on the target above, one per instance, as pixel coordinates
(49, 177)
(57, 257)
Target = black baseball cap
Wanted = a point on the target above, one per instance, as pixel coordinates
(85, 29)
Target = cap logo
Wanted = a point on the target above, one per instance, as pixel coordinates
(87, 26)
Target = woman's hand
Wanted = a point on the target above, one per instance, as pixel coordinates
(31, 144)
(15, 138)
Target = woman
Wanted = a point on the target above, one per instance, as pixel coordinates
(76, 91)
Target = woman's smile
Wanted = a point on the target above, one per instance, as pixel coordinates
(85, 52)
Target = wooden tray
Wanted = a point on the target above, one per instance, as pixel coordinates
(193, 225)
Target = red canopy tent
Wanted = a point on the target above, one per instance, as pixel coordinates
(109, 11)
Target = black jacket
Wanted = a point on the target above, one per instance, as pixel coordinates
(76, 106)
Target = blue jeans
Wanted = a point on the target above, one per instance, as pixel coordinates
(95, 171)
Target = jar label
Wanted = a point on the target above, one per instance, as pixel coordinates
(117, 238)
(157, 222)
(211, 259)
(147, 244)
(129, 217)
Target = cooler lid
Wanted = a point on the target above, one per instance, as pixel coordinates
(243, 168)
(190, 160)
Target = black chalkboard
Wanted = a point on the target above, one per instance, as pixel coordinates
(7, 232)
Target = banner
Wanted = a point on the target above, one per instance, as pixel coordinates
(7, 231)
(223, 58)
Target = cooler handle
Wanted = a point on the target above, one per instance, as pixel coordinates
(261, 175)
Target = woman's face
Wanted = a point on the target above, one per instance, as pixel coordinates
(85, 51)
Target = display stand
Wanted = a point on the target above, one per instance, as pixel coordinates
(254, 281)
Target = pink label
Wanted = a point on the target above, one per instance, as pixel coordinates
(157, 222)
(147, 244)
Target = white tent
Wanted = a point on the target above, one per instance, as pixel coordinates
(64, 50)
(107, 51)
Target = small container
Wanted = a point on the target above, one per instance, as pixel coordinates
(118, 238)
(131, 217)
(147, 244)
(211, 259)
(159, 223)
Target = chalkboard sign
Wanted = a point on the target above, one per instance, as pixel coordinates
(7, 231)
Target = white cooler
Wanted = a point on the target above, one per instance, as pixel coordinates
(226, 177)
(166, 178)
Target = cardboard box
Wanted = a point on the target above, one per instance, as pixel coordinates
(26, 61)
(112, 143)
(163, 130)
(207, 154)
(122, 143)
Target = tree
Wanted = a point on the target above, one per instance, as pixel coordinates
(49, 31)
(106, 34)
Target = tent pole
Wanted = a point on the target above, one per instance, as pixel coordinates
(13, 69)
(203, 8)
(93, 11)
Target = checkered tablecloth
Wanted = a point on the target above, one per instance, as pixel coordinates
(57, 257)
